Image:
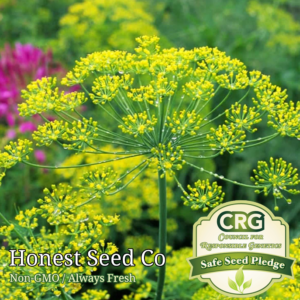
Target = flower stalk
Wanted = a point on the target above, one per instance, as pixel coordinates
(162, 185)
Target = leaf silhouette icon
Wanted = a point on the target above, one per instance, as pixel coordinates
(232, 284)
(247, 284)
(239, 277)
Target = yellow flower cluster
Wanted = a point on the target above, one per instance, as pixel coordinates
(203, 195)
(226, 138)
(58, 205)
(84, 28)
(162, 87)
(154, 92)
(167, 158)
(77, 134)
(184, 122)
(269, 97)
(28, 218)
(19, 149)
(143, 93)
(87, 235)
(8, 294)
(68, 102)
(243, 117)
(276, 176)
(236, 76)
(147, 45)
(95, 295)
(138, 124)
(105, 88)
(81, 134)
(99, 183)
(255, 77)
(211, 61)
(176, 62)
(199, 90)
(15, 152)
(105, 62)
(49, 132)
(286, 120)
(43, 95)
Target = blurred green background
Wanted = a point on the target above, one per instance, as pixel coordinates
(265, 35)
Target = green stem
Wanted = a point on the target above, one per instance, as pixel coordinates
(64, 296)
(162, 185)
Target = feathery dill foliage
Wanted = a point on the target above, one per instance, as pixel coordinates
(158, 98)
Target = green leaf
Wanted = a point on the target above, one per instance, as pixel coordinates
(239, 277)
(247, 284)
(232, 284)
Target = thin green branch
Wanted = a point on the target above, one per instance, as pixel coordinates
(225, 179)
(79, 166)
(127, 183)
(217, 106)
(201, 156)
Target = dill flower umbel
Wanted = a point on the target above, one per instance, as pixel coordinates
(276, 177)
(147, 95)
(203, 195)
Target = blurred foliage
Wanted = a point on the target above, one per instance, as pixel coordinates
(34, 21)
(95, 25)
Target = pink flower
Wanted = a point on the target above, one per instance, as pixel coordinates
(27, 126)
(11, 134)
(18, 67)
(40, 156)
